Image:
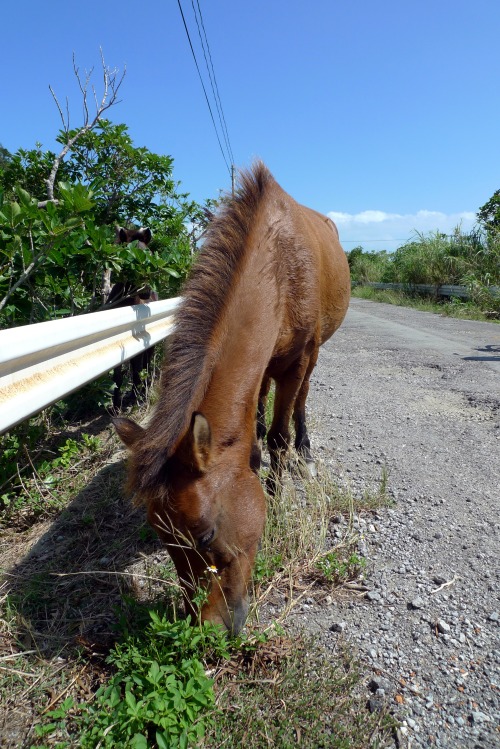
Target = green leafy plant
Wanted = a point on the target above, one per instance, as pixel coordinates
(266, 566)
(337, 570)
(159, 695)
(57, 718)
(148, 704)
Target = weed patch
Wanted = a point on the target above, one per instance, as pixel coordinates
(301, 546)
(288, 693)
(337, 570)
(158, 695)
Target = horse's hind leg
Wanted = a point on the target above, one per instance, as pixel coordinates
(302, 443)
(137, 365)
(288, 387)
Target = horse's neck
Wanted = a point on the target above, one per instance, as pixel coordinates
(244, 342)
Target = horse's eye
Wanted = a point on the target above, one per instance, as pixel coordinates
(205, 540)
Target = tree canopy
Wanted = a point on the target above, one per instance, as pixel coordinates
(489, 213)
(54, 252)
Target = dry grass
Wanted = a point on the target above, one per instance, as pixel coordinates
(66, 583)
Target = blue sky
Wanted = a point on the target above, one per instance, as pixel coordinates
(384, 115)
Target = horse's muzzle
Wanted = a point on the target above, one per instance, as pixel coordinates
(237, 617)
(232, 618)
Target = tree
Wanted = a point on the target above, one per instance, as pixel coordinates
(5, 156)
(58, 212)
(489, 213)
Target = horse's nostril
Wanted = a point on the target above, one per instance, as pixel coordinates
(238, 617)
(206, 539)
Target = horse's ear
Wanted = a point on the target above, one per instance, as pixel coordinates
(146, 235)
(121, 235)
(196, 447)
(128, 431)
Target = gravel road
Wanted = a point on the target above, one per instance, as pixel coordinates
(419, 394)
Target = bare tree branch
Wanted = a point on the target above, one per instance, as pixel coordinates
(59, 107)
(111, 87)
(27, 273)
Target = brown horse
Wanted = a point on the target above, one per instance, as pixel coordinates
(270, 285)
(124, 294)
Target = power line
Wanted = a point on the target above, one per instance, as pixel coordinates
(375, 240)
(203, 86)
(395, 239)
(212, 77)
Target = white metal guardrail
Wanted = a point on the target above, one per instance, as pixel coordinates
(41, 363)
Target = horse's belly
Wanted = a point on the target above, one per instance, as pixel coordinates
(288, 349)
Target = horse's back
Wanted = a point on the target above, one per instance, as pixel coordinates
(333, 271)
(323, 260)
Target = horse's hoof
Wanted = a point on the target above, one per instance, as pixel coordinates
(307, 469)
(311, 468)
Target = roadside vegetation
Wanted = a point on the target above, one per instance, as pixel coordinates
(59, 210)
(454, 307)
(471, 260)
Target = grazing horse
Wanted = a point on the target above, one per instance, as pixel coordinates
(269, 286)
(123, 294)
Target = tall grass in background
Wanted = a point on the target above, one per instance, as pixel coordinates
(438, 259)
(470, 259)
(368, 267)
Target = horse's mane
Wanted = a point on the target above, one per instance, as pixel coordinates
(189, 361)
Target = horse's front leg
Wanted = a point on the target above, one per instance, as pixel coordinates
(261, 409)
(260, 425)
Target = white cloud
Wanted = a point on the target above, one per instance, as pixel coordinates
(379, 230)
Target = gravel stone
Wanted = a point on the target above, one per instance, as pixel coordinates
(337, 627)
(416, 603)
(442, 626)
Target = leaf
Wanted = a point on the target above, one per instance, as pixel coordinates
(162, 740)
(139, 741)
(130, 699)
(10, 212)
(154, 672)
(24, 197)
